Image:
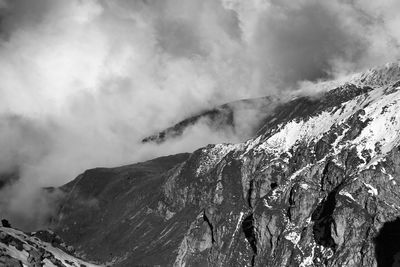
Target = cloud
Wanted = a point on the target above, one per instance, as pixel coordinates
(82, 82)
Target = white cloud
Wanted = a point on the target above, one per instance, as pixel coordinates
(82, 82)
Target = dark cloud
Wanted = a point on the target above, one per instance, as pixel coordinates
(22, 14)
(178, 39)
(24, 141)
(313, 40)
(301, 41)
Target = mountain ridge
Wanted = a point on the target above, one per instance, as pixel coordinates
(317, 186)
(226, 117)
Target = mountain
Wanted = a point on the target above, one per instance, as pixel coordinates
(42, 248)
(318, 185)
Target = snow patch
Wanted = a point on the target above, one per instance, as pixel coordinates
(372, 190)
(237, 227)
(266, 204)
(347, 194)
(293, 237)
(305, 186)
(308, 261)
(211, 156)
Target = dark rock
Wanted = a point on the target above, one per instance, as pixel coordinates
(8, 261)
(5, 223)
(387, 244)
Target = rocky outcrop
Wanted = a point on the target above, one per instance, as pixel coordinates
(19, 249)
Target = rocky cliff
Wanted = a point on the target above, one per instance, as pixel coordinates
(318, 186)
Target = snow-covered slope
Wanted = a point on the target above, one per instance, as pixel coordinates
(21, 249)
(373, 116)
(326, 167)
(235, 116)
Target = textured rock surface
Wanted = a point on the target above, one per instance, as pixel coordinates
(108, 213)
(35, 249)
(318, 186)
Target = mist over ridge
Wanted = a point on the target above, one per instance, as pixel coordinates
(82, 82)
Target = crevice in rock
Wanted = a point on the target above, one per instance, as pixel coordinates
(274, 185)
(323, 220)
(324, 174)
(205, 218)
(249, 233)
(291, 203)
(387, 245)
(249, 193)
(253, 259)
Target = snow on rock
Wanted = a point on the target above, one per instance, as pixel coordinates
(237, 227)
(372, 190)
(377, 112)
(384, 124)
(308, 261)
(266, 204)
(347, 194)
(378, 77)
(211, 155)
(293, 237)
(305, 186)
(294, 131)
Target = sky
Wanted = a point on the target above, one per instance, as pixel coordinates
(83, 81)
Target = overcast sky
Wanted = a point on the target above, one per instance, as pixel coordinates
(82, 81)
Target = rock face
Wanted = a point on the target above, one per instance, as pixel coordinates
(318, 186)
(42, 248)
(108, 213)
